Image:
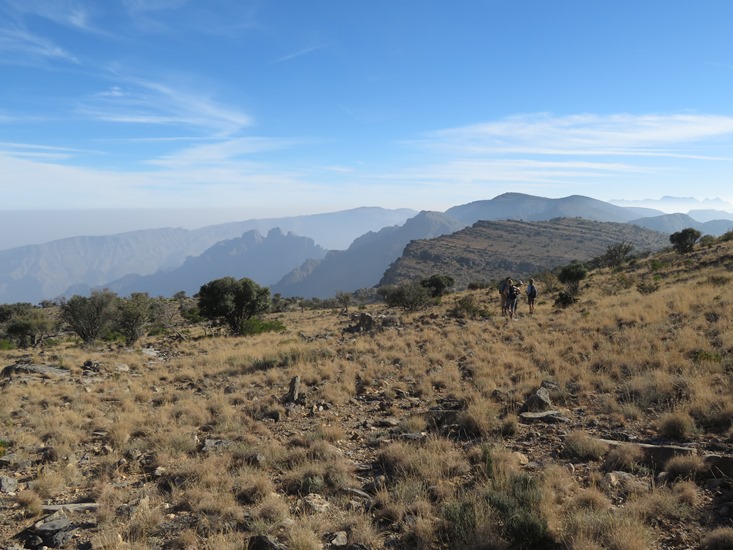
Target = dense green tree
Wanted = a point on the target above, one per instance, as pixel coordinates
(571, 275)
(438, 284)
(684, 241)
(89, 316)
(233, 301)
(411, 296)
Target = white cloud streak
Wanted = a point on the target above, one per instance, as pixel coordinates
(614, 135)
(147, 102)
(19, 45)
(300, 53)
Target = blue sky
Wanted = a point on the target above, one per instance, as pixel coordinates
(289, 107)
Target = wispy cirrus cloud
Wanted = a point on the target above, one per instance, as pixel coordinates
(300, 53)
(64, 12)
(18, 46)
(225, 153)
(586, 134)
(138, 101)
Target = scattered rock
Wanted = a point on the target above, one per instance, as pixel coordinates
(8, 484)
(339, 539)
(294, 391)
(537, 402)
(522, 459)
(316, 503)
(55, 530)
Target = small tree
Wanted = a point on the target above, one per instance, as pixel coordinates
(89, 316)
(233, 301)
(684, 241)
(134, 314)
(616, 254)
(571, 275)
(343, 299)
(29, 325)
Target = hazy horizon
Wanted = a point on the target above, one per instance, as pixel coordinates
(20, 227)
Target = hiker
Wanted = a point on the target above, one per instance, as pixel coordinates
(531, 295)
(513, 298)
(503, 291)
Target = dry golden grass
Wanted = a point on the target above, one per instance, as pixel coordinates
(649, 367)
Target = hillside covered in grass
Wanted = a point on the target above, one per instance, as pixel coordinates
(606, 424)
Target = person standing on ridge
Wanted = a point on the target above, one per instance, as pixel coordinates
(513, 298)
(503, 293)
(531, 295)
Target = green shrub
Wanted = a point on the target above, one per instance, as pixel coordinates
(408, 296)
(647, 287)
(257, 326)
(468, 307)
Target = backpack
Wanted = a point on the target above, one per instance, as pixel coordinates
(531, 291)
(513, 292)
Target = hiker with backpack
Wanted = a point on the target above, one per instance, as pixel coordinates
(503, 293)
(513, 298)
(531, 295)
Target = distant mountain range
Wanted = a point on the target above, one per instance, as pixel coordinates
(309, 256)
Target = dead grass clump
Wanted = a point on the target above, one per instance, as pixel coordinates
(676, 425)
(590, 499)
(684, 467)
(470, 522)
(718, 539)
(715, 413)
(588, 529)
(435, 459)
(252, 487)
(687, 492)
(31, 502)
(626, 458)
(654, 388)
(479, 419)
(661, 503)
(268, 515)
(144, 520)
(581, 446)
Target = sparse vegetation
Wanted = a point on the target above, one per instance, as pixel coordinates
(407, 435)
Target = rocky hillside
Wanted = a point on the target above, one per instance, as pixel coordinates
(490, 250)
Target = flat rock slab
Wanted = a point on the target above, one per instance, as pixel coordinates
(38, 370)
(547, 417)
